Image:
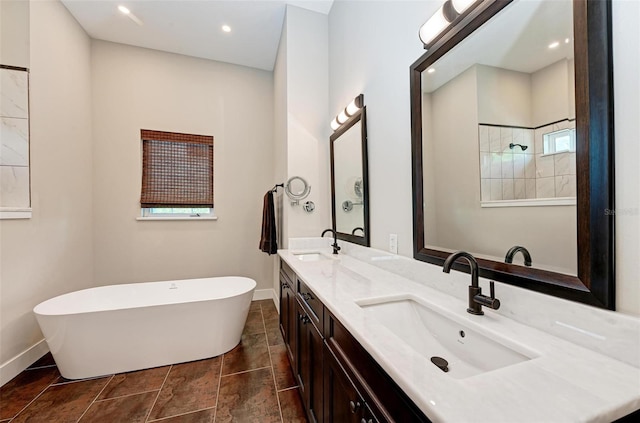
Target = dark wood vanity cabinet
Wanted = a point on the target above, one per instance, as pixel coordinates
(288, 311)
(338, 380)
(342, 401)
(308, 368)
(384, 399)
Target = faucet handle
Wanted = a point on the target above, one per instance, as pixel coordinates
(491, 302)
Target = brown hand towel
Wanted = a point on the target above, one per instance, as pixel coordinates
(268, 241)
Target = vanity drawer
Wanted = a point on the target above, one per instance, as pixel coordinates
(287, 271)
(385, 398)
(308, 298)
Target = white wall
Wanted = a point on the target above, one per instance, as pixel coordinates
(280, 146)
(51, 253)
(135, 88)
(308, 128)
(14, 33)
(626, 60)
(553, 93)
(504, 96)
(372, 44)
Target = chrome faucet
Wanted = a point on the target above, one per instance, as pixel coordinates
(476, 299)
(515, 249)
(335, 246)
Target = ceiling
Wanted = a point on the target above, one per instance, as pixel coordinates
(193, 27)
(517, 39)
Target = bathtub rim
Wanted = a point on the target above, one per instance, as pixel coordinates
(64, 312)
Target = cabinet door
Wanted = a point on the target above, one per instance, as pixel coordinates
(309, 365)
(342, 402)
(288, 318)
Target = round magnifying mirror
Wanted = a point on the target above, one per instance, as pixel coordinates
(297, 188)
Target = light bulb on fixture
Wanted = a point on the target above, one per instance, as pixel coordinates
(124, 10)
(226, 28)
(354, 106)
(433, 27)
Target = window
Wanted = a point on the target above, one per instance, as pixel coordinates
(562, 141)
(177, 174)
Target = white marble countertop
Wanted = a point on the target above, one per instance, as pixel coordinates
(564, 383)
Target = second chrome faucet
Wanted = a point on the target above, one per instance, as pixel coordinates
(476, 298)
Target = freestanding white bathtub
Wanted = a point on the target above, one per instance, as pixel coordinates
(120, 328)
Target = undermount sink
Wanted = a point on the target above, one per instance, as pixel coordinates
(435, 333)
(310, 256)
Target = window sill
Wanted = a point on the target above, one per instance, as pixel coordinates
(533, 202)
(15, 213)
(145, 218)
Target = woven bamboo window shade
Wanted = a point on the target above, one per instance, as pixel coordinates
(177, 170)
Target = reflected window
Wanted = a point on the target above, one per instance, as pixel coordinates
(563, 141)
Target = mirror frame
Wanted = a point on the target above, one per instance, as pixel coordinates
(595, 205)
(359, 116)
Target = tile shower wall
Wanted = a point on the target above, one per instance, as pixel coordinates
(514, 174)
(14, 139)
(506, 174)
(555, 173)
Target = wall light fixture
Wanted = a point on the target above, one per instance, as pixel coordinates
(351, 109)
(450, 11)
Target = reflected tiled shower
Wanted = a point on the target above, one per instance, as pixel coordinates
(523, 174)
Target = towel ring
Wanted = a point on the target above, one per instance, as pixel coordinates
(297, 189)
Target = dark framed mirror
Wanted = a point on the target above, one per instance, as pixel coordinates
(512, 144)
(350, 180)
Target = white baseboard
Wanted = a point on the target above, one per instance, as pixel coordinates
(276, 300)
(265, 294)
(17, 364)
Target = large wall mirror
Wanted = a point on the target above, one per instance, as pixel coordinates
(512, 145)
(349, 180)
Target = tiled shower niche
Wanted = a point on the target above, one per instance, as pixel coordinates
(524, 172)
(14, 142)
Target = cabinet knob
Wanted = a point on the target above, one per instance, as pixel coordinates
(307, 296)
(354, 406)
(366, 421)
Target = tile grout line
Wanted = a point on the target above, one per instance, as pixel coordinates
(244, 371)
(125, 396)
(70, 381)
(96, 397)
(32, 401)
(273, 373)
(215, 412)
(146, 419)
(289, 388)
(181, 414)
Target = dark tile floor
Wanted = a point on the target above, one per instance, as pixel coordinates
(251, 383)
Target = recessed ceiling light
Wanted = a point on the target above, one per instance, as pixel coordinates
(124, 10)
(554, 44)
(226, 28)
(566, 41)
(431, 70)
